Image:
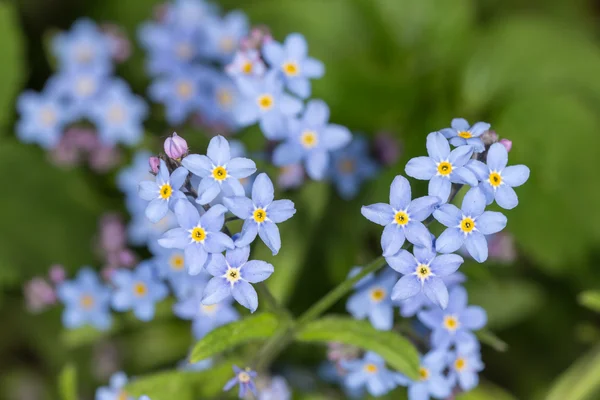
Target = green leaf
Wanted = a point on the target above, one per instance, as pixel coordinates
(255, 327)
(399, 353)
(590, 299)
(67, 383)
(12, 67)
(486, 391)
(581, 381)
(488, 337)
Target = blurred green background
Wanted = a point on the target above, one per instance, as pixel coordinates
(530, 68)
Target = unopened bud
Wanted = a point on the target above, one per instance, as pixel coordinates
(176, 147)
(506, 143)
(154, 164)
(57, 273)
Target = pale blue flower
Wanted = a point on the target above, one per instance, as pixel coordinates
(278, 389)
(372, 300)
(189, 14)
(42, 118)
(129, 177)
(246, 64)
(244, 378)
(163, 192)
(411, 306)
(223, 36)
(464, 368)
(83, 47)
(168, 49)
(431, 382)
(81, 89)
(170, 266)
(462, 134)
(221, 101)
(351, 166)
(115, 389)
(371, 373)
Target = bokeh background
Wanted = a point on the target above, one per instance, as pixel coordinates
(530, 68)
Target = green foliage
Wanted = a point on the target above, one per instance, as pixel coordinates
(581, 381)
(252, 328)
(398, 352)
(488, 337)
(67, 383)
(485, 391)
(12, 68)
(590, 299)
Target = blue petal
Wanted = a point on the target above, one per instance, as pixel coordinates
(232, 187)
(244, 293)
(273, 52)
(490, 222)
(464, 176)
(436, 291)
(144, 311)
(240, 167)
(217, 266)
(163, 172)
(446, 264)
(240, 206)
(208, 189)
(380, 213)
(473, 203)
(458, 300)
(417, 234)
(335, 137)
(214, 218)
(295, 46)
(262, 191)
(156, 210)
(290, 105)
(198, 165)
(400, 193)
(148, 190)
(217, 242)
(218, 150)
(422, 168)
(316, 114)
(515, 175)
(459, 156)
(403, 262)
(448, 215)
(497, 157)
(407, 287)
(440, 186)
(418, 391)
(281, 210)
(479, 128)
(216, 290)
(248, 234)
(448, 132)
(473, 318)
(176, 238)
(392, 239)
(187, 215)
(468, 380)
(178, 177)
(269, 233)
(382, 317)
(432, 318)
(287, 154)
(316, 164)
(299, 86)
(480, 170)
(421, 208)
(195, 258)
(460, 124)
(439, 387)
(238, 256)
(477, 246)
(255, 271)
(358, 306)
(437, 146)
(476, 143)
(450, 240)
(272, 125)
(506, 197)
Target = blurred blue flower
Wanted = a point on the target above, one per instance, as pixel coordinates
(170, 265)
(86, 300)
(261, 214)
(291, 176)
(140, 231)
(411, 306)
(115, 389)
(402, 217)
(42, 117)
(83, 47)
(80, 89)
(311, 139)
(278, 389)
(431, 381)
(168, 49)
(220, 103)
(293, 64)
(138, 290)
(468, 225)
(223, 36)
(372, 300)
(462, 134)
(233, 275)
(218, 171)
(129, 177)
(246, 64)
(198, 235)
(443, 167)
(497, 180)
(454, 325)
(351, 166)
(464, 368)
(189, 14)
(163, 192)
(371, 373)
(244, 378)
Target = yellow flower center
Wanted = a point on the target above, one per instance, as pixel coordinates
(260, 215)
(423, 374)
(423, 271)
(465, 134)
(122, 395)
(219, 173)
(85, 86)
(451, 323)
(247, 67)
(346, 166)
(290, 68)
(309, 139)
(166, 191)
(184, 51)
(87, 301)
(116, 114)
(377, 295)
(208, 309)
(467, 224)
(198, 234)
(233, 275)
(370, 368)
(444, 168)
(140, 289)
(265, 102)
(460, 364)
(224, 98)
(185, 89)
(495, 179)
(177, 262)
(244, 377)
(48, 116)
(401, 218)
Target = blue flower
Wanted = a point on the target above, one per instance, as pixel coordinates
(402, 217)
(292, 62)
(443, 167)
(411, 306)
(86, 300)
(198, 235)
(138, 290)
(218, 108)
(246, 64)
(351, 166)
(118, 115)
(223, 36)
(168, 49)
(468, 225)
(422, 274)
(83, 47)
(115, 389)
(204, 318)
(261, 214)
(245, 379)
(372, 300)
(81, 88)
(278, 389)
(431, 379)
(129, 178)
(464, 368)
(497, 180)
(218, 171)
(311, 139)
(454, 325)
(233, 275)
(189, 14)
(140, 231)
(170, 265)
(371, 373)
(462, 134)
(42, 118)
(265, 102)
(163, 192)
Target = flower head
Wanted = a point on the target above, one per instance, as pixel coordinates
(411, 306)
(464, 368)
(244, 378)
(431, 380)
(351, 166)
(261, 214)
(223, 36)
(371, 373)
(115, 389)
(42, 118)
(462, 134)
(246, 64)
(163, 192)
(372, 300)
(83, 47)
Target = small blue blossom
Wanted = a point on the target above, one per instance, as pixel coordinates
(204, 318)
(170, 265)
(311, 139)
(189, 15)
(140, 231)
(462, 134)
(83, 47)
(245, 379)
(223, 36)
(372, 300)
(233, 275)
(115, 389)
(443, 167)
(351, 166)
(86, 300)
(454, 325)
(292, 62)
(402, 217)
(371, 373)
(278, 389)
(218, 171)
(261, 214)
(468, 225)
(411, 306)
(431, 379)
(422, 273)
(246, 64)
(42, 118)
(129, 178)
(264, 101)
(199, 235)
(221, 101)
(163, 192)
(138, 290)
(497, 180)
(168, 49)
(81, 88)
(464, 368)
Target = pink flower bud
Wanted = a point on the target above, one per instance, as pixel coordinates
(57, 273)
(506, 143)
(176, 147)
(154, 164)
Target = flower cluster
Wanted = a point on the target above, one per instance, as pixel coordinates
(82, 91)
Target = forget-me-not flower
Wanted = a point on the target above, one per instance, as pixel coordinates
(402, 217)
(218, 171)
(311, 138)
(223, 95)
(372, 300)
(371, 373)
(411, 306)
(129, 177)
(233, 275)
(81, 88)
(86, 300)
(468, 225)
(277, 389)
(432, 381)
(170, 265)
(223, 36)
(168, 49)
(464, 368)
(115, 389)
(246, 64)
(443, 167)
(292, 62)
(261, 214)
(42, 118)
(351, 166)
(198, 235)
(138, 290)
(462, 134)
(497, 180)
(245, 379)
(163, 192)
(83, 47)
